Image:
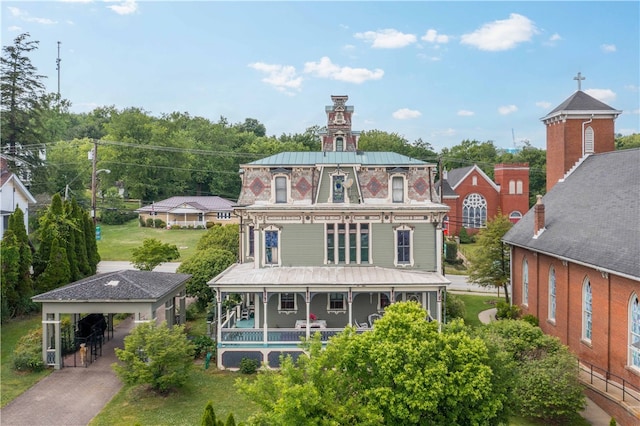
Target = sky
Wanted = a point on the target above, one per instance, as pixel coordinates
(442, 72)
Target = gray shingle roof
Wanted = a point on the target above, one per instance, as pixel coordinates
(331, 157)
(205, 203)
(454, 176)
(119, 285)
(593, 217)
(580, 101)
(447, 191)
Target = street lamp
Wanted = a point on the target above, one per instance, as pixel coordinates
(94, 186)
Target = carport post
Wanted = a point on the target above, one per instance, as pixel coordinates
(49, 320)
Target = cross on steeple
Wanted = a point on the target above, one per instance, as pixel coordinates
(579, 77)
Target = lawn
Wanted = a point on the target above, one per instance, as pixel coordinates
(474, 305)
(14, 383)
(117, 241)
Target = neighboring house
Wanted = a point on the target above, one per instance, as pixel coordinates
(575, 257)
(328, 239)
(190, 212)
(473, 198)
(13, 194)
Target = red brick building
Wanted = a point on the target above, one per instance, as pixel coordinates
(473, 198)
(575, 257)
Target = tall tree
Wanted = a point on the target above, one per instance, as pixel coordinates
(251, 125)
(22, 90)
(57, 273)
(470, 152)
(490, 264)
(377, 140)
(24, 287)
(9, 274)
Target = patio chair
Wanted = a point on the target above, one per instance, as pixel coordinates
(245, 314)
(372, 318)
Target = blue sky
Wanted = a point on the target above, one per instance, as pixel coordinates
(439, 71)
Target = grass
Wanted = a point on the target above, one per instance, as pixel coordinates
(134, 405)
(117, 241)
(13, 383)
(474, 305)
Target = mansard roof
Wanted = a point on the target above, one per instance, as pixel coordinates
(581, 103)
(305, 158)
(592, 217)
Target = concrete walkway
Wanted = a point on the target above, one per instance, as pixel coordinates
(595, 415)
(70, 396)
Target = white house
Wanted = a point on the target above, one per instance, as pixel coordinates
(13, 194)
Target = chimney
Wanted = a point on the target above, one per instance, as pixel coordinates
(538, 217)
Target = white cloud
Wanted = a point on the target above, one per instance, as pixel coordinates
(327, 69)
(543, 104)
(465, 113)
(432, 36)
(555, 37)
(126, 7)
(406, 114)
(25, 16)
(14, 28)
(429, 58)
(502, 34)
(632, 88)
(608, 48)
(507, 109)
(386, 39)
(604, 95)
(348, 47)
(282, 77)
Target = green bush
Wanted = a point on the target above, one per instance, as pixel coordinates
(506, 311)
(149, 222)
(203, 344)
(464, 236)
(159, 223)
(455, 307)
(531, 319)
(142, 222)
(249, 366)
(451, 248)
(116, 217)
(27, 356)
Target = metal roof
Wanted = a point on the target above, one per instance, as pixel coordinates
(203, 203)
(592, 217)
(305, 158)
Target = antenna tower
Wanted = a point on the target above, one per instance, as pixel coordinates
(58, 67)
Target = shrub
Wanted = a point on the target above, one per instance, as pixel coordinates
(249, 366)
(210, 225)
(455, 307)
(159, 223)
(531, 319)
(27, 356)
(203, 344)
(464, 236)
(506, 311)
(149, 222)
(142, 222)
(451, 248)
(116, 217)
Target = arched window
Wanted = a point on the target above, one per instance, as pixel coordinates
(512, 187)
(525, 282)
(587, 306)
(552, 294)
(474, 181)
(519, 187)
(474, 211)
(634, 331)
(588, 140)
(515, 216)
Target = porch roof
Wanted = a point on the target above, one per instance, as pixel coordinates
(246, 277)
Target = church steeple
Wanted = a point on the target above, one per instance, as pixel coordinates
(339, 136)
(579, 126)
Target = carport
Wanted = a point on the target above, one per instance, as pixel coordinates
(141, 293)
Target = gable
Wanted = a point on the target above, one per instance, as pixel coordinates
(465, 175)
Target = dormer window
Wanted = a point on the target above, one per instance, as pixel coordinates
(397, 189)
(339, 144)
(281, 189)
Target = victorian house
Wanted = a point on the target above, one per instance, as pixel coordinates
(575, 257)
(328, 239)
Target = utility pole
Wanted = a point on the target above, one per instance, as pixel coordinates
(94, 182)
(58, 67)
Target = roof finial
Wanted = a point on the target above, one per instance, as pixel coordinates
(579, 77)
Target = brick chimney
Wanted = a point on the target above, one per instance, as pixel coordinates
(538, 217)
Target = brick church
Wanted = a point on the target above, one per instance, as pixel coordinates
(575, 256)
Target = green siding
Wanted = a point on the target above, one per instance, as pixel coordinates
(424, 245)
(325, 185)
(382, 245)
(302, 244)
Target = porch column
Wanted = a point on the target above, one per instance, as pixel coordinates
(424, 301)
(167, 218)
(439, 247)
(219, 313)
(51, 340)
(169, 312)
(183, 306)
(439, 305)
(350, 302)
(307, 302)
(265, 329)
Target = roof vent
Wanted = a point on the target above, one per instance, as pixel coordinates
(113, 283)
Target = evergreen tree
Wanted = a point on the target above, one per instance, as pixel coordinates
(57, 272)
(22, 90)
(24, 287)
(92, 247)
(50, 229)
(69, 230)
(9, 273)
(209, 415)
(80, 240)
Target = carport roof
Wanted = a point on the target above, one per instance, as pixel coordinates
(125, 285)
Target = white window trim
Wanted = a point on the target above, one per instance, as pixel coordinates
(395, 246)
(632, 300)
(405, 192)
(512, 186)
(345, 177)
(358, 247)
(288, 311)
(273, 188)
(482, 199)
(264, 247)
(525, 282)
(344, 303)
(519, 186)
(553, 296)
(587, 284)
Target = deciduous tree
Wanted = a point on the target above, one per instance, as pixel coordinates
(152, 253)
(203, 266)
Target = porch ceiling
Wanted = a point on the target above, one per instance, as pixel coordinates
(247, 277)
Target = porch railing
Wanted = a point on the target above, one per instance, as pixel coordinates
(187, 223)
(277, 336)
(610, 382)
